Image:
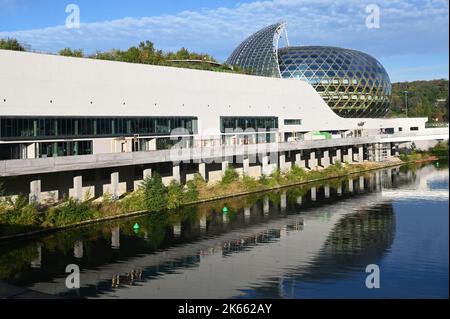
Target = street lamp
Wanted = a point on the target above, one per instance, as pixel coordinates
(406, 101)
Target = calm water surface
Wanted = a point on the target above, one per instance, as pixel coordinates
(303, 242)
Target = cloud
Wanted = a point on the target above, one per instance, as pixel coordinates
(419, 27)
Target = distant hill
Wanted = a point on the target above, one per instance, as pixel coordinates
(425, 98)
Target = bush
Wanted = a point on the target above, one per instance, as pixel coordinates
(155, 194)
(440, 150)
(230, 176)
(250, 183)
(174, 195)
(338, 164)
(296, 173)
(276, 176)
(70, 212)
(19, 212)
(133, 202)
(191, 193)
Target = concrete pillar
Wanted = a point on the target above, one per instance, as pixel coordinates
(225, 165)
(265, 165)
(299, 162)
(299, 200)
(177, 230)
(35, 191)
(246, 166)
(326, 190)
(339, 190)
(377, 152)
(37, 261)
(338, 156)
(312, 162)
(361, 183)
(202, 170)
(176, 173)
(350, 185)
(115, 238)
(266, 206)
(325, 159)
(377, 180)
(283, 201)
(78, 188)
(203, 223)
(115, 185)
(360, 154)
(283, 166)
(350, 155)
(313, 194)
(78, 249)
(147, 173)
(247, 212)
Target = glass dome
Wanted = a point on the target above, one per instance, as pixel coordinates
(353, 83)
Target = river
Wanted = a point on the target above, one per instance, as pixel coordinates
(310, 241)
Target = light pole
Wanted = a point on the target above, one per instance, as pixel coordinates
(406, 101)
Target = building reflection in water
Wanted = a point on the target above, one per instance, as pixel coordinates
(308, 232)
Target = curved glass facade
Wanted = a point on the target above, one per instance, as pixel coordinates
(258, 53)
(353, 83)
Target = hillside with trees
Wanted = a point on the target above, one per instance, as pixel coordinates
(425, 99)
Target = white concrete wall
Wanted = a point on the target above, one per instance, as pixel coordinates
(29, 81)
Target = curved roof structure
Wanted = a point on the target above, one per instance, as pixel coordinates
(259, 52)
(352, 83)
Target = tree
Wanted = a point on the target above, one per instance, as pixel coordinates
(174, 195)
(155, 193)
(425, 98)
(11, 44)
(73, 53)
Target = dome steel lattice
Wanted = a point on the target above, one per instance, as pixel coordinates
(258, 53)
(351, 82)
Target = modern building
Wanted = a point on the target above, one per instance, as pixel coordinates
(353, 83)
(69, 126)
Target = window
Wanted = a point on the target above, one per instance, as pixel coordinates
(64, 127)
(293, 122)
(247, 123)
(415, 128)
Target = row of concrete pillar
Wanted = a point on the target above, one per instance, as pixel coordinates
(266, 168)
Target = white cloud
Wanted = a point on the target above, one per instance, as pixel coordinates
(406, 27)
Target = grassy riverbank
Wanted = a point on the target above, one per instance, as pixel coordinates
(18, 216)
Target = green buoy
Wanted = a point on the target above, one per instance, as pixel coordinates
(225, 210)
(136, 226)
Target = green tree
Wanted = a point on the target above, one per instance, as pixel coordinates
(73, 53)
(191, 193)
(174, 195)
(230, 176)
(11, 44)
(155, 193)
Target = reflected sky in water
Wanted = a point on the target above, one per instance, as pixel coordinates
(303, 242)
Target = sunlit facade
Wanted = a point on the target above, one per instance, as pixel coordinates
(351, 82)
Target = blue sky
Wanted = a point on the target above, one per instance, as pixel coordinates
(412, 41)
